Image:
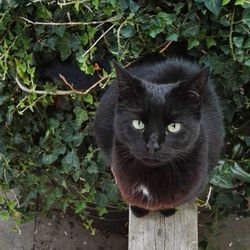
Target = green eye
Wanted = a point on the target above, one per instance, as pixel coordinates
(138, 124)
(174, 127)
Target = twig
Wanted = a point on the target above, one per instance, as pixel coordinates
(15, 196)
(118, 34)
(102, 35)
(60, 92)
(206, 203)
(69, 84)
(68, 23)
(42, 92)
(165, 47)
(231, 35)
(69, 3)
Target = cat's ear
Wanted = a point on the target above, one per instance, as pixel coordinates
(128, 86)
(191, 91)
(199, 82)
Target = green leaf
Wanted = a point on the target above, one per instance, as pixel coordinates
(225, 2)
(247, 44)
(59, 30)
(210, 42)
(172, 37)
(192, 43)
(3, 99)
(247, 62)
(4, 215)
(70, 161)
(93, 168)
(49, 159)
(222, 176)
(64, 48)
(79, 206)
(214, 6)
(125, 4)
(111, 190)
(133, 6)
(84, 39)
(238, 41)
(76, 175)
(237, 150)
(81, 115)
(243, 3)
(166, 18)
(101, 200)
(240, 173)
(191, 30)
(88, 99)
(246, 17)
(128, 31)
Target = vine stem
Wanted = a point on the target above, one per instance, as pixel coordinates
(231, 35)
(68, 23)
(60, 92)
(103, 34)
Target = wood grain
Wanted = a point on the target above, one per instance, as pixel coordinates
(156, 232)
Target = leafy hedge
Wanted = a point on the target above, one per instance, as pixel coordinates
(47, 152)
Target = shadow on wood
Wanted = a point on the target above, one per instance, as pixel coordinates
(156, 232)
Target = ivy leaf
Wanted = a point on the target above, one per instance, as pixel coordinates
(81, 115)
(238, 41)
(64, 48)
(125, 4)
(49, 159)
(240, 173)
(246, 17)
(225, 2)
(128, 31)
(193, 42)
(222, 176)
(3, 99)
(4, 215)
(191, 29)
(210, 42)
(88, 99)
(133, 6)
(172, 37)
(111, 190)
(79, 206)
(70, 161)
(247, 62)
(93, 168)
(243, 3)
(59, 30)
(214, 6)
(101, 200)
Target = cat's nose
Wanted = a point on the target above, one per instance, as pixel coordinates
(153, 144)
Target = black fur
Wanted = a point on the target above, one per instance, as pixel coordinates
(155, 169)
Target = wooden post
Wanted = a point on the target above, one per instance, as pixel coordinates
(156, 232)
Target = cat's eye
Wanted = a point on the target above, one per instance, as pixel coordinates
(174, 127)
(137, 124)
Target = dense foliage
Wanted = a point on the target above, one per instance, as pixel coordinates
(47, 153)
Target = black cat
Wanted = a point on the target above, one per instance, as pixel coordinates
(51, 70)
(160, 128)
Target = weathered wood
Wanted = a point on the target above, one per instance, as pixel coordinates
(156, 232)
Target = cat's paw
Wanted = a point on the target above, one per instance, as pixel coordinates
(168, 212)
(139, 212)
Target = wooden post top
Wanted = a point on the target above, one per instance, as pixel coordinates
(156, 232)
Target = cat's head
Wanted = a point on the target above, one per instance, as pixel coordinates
(158, 122)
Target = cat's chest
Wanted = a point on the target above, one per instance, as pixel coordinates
(154, 189)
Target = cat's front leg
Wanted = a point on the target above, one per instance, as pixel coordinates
(168, 212)
(139, 212)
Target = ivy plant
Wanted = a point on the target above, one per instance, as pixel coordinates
(48, 157)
